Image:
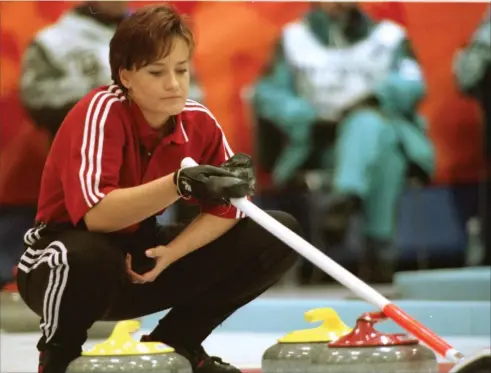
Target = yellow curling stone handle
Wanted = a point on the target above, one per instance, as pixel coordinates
(122, 343)
(331, 329)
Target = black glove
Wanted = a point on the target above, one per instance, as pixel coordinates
(210, 184)
(241, 166)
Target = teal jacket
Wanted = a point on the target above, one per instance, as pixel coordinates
(276, 99)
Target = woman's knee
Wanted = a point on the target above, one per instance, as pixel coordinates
(273, 250)
(286, 219)
(363, 122)
(82, 266)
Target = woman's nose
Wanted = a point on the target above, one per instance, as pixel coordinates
(171, 83)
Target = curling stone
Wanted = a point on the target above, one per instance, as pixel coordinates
(293, 352)
(17, 317)
(479, 362)
(121, 353)
(366, 350)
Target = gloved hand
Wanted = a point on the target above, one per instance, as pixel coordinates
(241, 166)
(210, 184)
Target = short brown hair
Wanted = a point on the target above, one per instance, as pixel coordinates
(146, 36)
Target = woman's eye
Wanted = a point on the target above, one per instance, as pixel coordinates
(155, 73)
(182, 71)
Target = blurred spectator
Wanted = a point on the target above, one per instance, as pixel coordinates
(472, 69)
(68, 59)
(358, 81)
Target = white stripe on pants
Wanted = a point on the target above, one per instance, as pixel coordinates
(33, 234)
(55, 256)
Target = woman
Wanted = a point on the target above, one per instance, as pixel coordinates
(96, 252)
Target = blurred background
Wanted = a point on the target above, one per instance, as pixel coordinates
(368, 122)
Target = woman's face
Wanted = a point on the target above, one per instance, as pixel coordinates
(161, 88)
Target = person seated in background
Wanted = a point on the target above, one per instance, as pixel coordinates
(68, 59)
(472, 70)
(338, 69)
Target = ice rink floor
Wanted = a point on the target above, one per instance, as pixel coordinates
(18, 352)
(19, 355)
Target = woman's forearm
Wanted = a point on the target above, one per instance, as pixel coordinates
(204, 229)
(124, 207)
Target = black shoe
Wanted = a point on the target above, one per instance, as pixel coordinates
(200, 361)
(56, 360)
(340, 211)
(378, 261)
(479, 363)
(213, 364)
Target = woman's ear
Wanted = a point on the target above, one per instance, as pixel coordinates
(124, 77)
